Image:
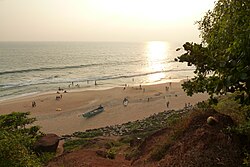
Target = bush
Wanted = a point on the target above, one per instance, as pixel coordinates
(111, 153)
(160, 152)
(16, 141)
(14, 153)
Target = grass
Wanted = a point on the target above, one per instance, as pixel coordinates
(88, 134)
(46, 157)
(160, 151)
(229, 106)
(75, 144)
(111, 153)
(132, 154)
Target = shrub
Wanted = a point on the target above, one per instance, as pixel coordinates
(16, 141)
(160, 152)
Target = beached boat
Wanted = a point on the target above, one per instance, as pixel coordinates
(93, 112)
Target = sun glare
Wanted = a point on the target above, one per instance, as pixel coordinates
(156, 54)
(156, 50)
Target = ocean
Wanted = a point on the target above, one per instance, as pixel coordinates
(38, 67)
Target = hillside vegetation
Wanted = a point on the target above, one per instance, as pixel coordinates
(183, 138)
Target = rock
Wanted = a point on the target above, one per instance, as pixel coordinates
(47, 143)
(211, 120)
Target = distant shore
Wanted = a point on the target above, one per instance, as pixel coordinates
(64, 114)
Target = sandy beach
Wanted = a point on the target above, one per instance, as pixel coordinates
(64, 116)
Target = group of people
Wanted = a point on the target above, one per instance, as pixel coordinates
(72, 84)
(58, 97)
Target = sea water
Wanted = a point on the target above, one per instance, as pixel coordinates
(37, 67)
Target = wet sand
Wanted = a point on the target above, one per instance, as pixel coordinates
(64, 116)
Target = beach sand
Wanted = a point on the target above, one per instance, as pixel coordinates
(142, 103)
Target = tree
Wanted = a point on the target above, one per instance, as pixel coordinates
(222, 60)
(16, 141)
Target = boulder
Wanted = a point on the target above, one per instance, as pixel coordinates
(211, 120)
(47, 143)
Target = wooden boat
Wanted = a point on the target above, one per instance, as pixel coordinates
(93, 112)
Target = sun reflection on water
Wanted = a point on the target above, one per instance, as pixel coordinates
(156, 57)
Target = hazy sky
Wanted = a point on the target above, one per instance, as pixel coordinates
(101, 20)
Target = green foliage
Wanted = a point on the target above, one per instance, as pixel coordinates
(204, 105)
(111, 144)
(46, 157)
(229, 106)
(111, 153)
(173, 119)
(246, 160)
(88, 134)
(14, 151)
(75, 143)
(15, 121)
(222, 60)
(160, 152)
(16, 141)
(243, 130)
(126, 139)
(133, 154)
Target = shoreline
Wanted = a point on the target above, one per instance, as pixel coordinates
(88, 88)
(143, 102)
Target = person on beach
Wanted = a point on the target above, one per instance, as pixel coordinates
(95, 82)
(125, 102)
(58, 97)
(167, 104)
(166, 88)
